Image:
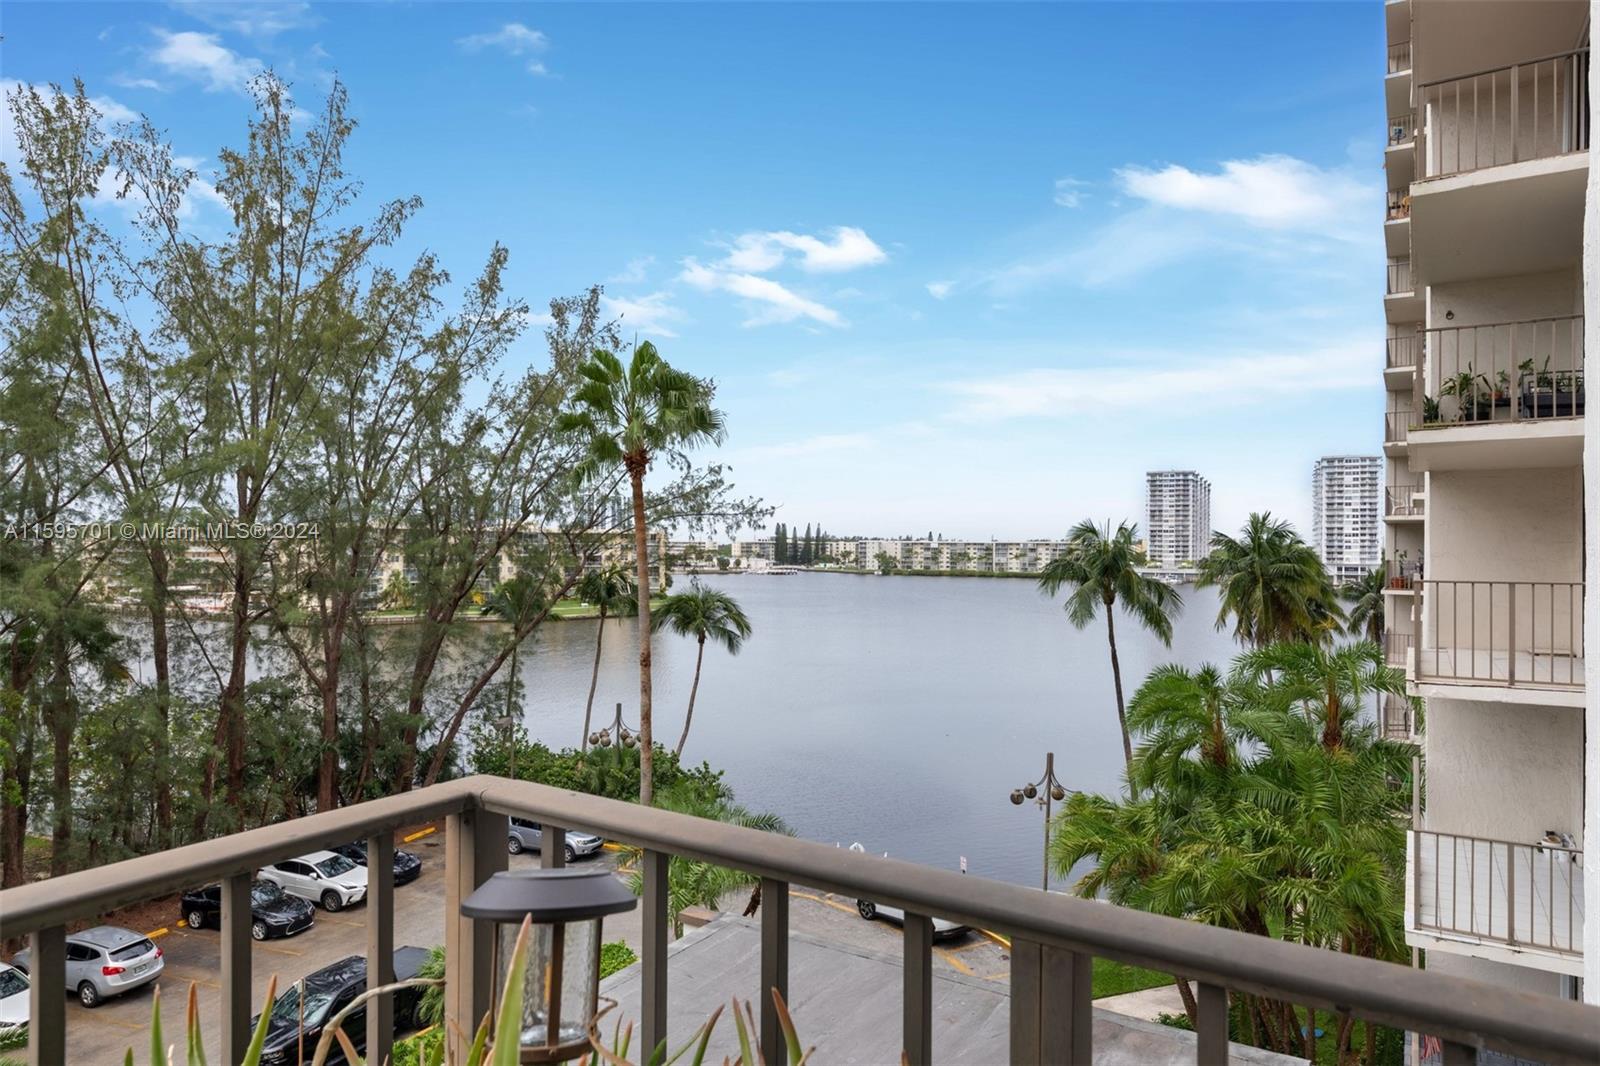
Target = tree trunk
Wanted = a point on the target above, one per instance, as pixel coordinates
(1190, 1007)
(328, 763)
(1122, 714)
(594, 679)
(699, 656)
(641, 545)
(62, 727)
(160, 654)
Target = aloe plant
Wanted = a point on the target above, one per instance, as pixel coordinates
(616, 1053)
(162, 1054)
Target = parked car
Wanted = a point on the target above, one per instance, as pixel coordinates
(527, 836)
(322, 877)
(942, 928)
(106, 961)
(273, 912)
(407, 866)
(13, 998)
(327, 992)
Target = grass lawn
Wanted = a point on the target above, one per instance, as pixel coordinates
(1112, 978)
(570, 609)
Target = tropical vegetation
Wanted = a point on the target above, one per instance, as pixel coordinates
(611, 589)
(1271, 584)
(702, 613)
(1365, 596)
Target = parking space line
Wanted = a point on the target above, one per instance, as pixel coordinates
(280, 950)
(835, 904)
(953, 962)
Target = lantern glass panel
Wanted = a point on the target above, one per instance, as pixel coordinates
(574, 956)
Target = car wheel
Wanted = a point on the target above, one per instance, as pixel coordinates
(88, 994)
(258, 930)
(570, 853)
(332, 901)
(197, 920)
(514, 845)
(867, 909)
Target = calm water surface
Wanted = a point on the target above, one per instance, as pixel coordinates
(895, 711)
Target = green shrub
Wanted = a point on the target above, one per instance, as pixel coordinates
(612, 772)
(614, 957)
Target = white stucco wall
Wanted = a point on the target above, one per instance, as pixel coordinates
(1505, 525)
(1503, 771)
(1591, 466)
(1521, 978)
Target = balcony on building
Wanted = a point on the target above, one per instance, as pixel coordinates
(1402, 300)
(1501, 395)
(1518, 902)
(1502, 641)
(1397, 718)
(1399, 151)
(1397, 422)
(1502, 163)
(1403, 503)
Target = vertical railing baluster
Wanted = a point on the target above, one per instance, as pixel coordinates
(475, 848)
(774, 966)
(1515, 117)
(380, 945)
(1066, 1006)
(47, 998)
(1211, 1025)
(552, 847)
(917, 990)
(237, 992)
(653, 995)
(1511, 894)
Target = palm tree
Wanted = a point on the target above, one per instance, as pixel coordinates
(1101, 568)
(610, 589)
(1365, 597)
(1272, 583)
(701, 613)
(627, 417)
(1328, 687)
(516, 601)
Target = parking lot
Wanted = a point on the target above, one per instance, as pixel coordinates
(103, 1034)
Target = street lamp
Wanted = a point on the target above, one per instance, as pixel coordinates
(1046, 792)
(615, 731)
(561, 974)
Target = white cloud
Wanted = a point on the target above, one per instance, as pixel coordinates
(652, 314)
(1176, 384)
(821, 444)
(1274, 191)
(251, 18)
(634, 272)
(202, 58)
(776, 303)
(847, 248)
(128, 82)
(940, 289)
(513, 37)
(1069, 192)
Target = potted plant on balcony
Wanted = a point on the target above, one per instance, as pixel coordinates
(1547, 393)
(1473, 394)
(1397, 576)
(1430, 410)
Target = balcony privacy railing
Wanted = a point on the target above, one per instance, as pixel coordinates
(1505, 371)
(1394, 717)
(1401, 352)
(1502, 633)
(1403, 572)
(1399, 500)
(1397, 649)
(1398, 205)
(1530, 110)
(1399, 57)
(1402, 128)
(1396, 424)
(1529, 896)
(1399, 276)
(1054, 938)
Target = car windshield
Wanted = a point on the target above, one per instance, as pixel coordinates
(264, 892)
(286, 1008)
(133, 951)
(334, 865)
(11, 983)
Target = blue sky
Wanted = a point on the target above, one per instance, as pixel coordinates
(971, 269)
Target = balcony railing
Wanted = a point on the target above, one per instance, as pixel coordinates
(1399, 276)
(1401, 352)
(1531, 110)
(1506, 371)
(1395, 717)
(1399, 501)
(1402, 128)
(1396, 424)
(1527, 896)
(1403, 573)
(1054, 938)
(1398, 205)
(1399, 57)
(1397, 649)
(1511, 633)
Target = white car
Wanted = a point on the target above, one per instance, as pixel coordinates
(13, 998)
(323, 877)
(942, 928)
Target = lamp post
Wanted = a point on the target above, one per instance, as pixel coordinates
(617, 731)
(561, 974)
(1046, 792)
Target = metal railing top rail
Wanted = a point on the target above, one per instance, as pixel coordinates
(1506, 322)
(1545, 845)
(1460, 1011)
(1564, 54)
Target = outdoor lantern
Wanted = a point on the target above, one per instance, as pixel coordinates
(561, 979)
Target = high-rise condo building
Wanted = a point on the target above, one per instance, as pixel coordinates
(1346, 515)
(1177, 516)
(1487, 162)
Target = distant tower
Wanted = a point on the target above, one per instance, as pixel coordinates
(1177, 516)
(1347, 513)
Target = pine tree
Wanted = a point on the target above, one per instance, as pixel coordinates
(805, 546)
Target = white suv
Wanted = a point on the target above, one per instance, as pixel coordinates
(323, 877)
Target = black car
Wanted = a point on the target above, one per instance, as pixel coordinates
(273, 912)
(407, 867)
(327, 992)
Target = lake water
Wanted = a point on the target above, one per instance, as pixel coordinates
(895, 711)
